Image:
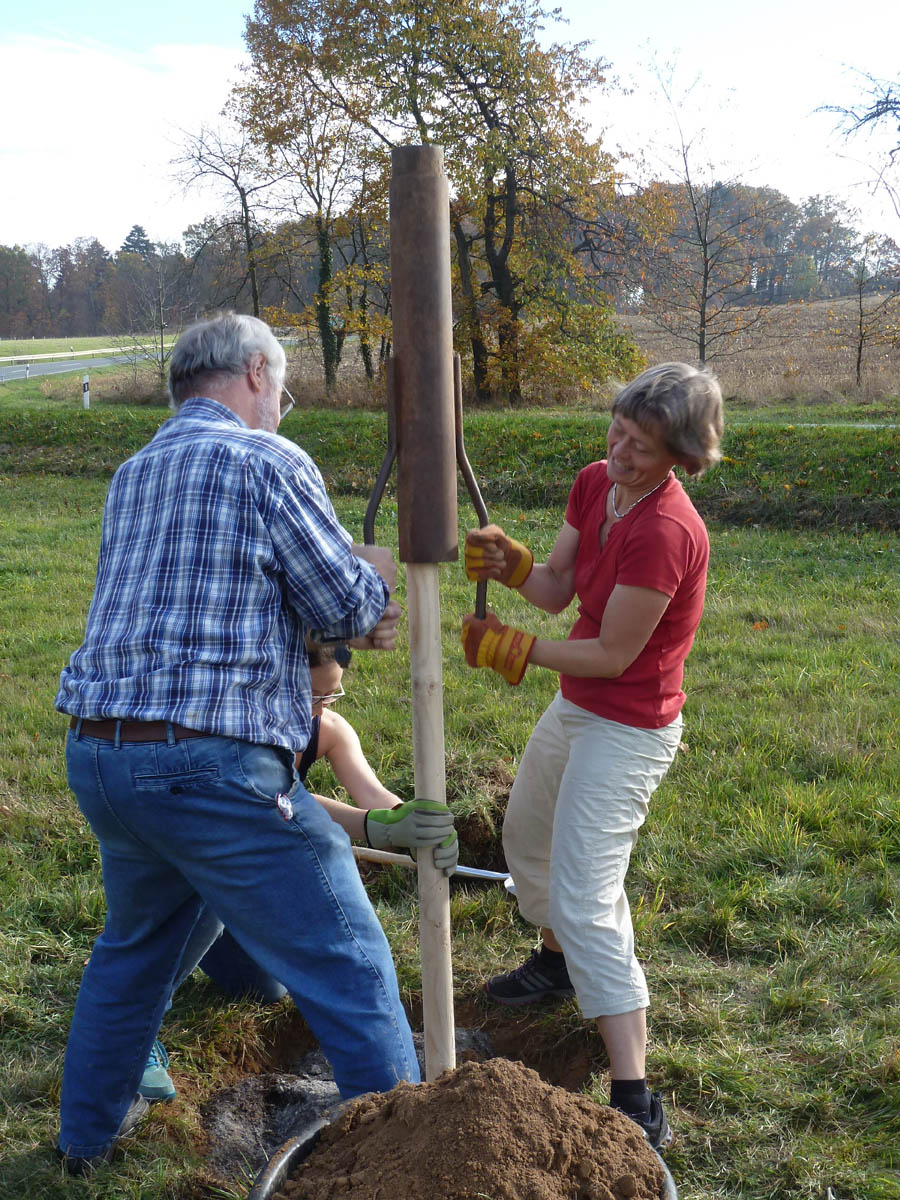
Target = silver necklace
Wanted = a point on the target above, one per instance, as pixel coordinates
(615, 492)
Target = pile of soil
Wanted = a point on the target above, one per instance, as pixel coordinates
(247, 1123)
(488, 1129)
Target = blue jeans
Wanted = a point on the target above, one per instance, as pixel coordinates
(185, 823)
(212, 948)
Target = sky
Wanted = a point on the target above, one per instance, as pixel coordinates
(94, 98)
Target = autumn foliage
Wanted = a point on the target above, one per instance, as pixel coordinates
(524, 173)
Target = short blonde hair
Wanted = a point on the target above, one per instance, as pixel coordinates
(685, 404)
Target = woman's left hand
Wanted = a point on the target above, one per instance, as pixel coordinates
(490, 643)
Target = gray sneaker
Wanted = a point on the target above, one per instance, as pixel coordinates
(655, 1126)
(530, 983)
(76, 1165)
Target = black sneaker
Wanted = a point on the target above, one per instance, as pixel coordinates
(655, 1126)
(75, 1165)
(530, 983)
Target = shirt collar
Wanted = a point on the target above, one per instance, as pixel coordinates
(203, 406)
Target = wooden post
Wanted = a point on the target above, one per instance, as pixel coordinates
(428, 754)
(427, 522)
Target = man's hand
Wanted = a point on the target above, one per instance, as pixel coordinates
(504, 649)
(490, 554)
(382, 559)
(384, 635)
(413, 824)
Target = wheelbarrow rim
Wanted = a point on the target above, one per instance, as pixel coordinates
(276, 1170)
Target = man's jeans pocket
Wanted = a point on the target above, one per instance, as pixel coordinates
(268, 771)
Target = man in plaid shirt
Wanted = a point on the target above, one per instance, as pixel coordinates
(188, 699)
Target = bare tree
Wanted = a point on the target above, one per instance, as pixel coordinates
(877, 109)
(876, 295)
(231, 160)
(698, 267)
(151, 303)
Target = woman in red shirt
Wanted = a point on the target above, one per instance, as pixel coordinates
(634, 551)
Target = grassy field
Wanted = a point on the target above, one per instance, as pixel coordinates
(797, 365)
(17, 347)
(765, 885)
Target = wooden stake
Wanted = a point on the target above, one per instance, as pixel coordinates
(430, 781)
(422, 324)
(427, 521)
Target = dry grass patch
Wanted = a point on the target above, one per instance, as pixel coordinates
(802, 353)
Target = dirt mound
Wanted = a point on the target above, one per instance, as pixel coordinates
(246, 1123)
(488, 1129)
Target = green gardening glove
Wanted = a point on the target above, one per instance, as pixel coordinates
(413, 824)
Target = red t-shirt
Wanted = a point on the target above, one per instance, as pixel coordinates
(662, 544)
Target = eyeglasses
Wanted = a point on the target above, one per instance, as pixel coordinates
(330, 698)
(285, 406)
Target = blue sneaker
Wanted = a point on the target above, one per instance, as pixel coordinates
(155, 1082)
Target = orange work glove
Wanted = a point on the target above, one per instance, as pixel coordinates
(489, 643)
(517, 559)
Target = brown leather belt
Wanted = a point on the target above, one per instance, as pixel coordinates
(135, 731)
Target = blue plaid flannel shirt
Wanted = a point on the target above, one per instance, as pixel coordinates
(220, 550)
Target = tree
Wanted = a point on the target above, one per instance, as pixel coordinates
(22, 305)
(137, 242)
(878, 109)
(708, 268)
(706, 276)
(474, 78)
(150, 301)
(803, 281)
(78, 297)
(825, 233)
(780, 276)
(229, 158)
(876, 294)
(336, 187)
(365, 272)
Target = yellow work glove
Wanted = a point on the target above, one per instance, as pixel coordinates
(517, 559)
(489, 643)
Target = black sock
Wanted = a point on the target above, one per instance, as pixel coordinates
(555, 959)
(631, 1096)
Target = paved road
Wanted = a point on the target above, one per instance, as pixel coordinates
(67, 366)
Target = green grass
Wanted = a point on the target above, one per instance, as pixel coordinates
(765, 885)
(19, 346)
(781, 475)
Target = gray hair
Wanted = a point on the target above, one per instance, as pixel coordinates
(685, 404)
(215, 350)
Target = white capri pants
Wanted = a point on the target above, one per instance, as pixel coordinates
(581, 793)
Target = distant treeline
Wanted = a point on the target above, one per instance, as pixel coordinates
(548, 240)
(809, 251)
